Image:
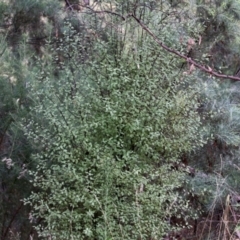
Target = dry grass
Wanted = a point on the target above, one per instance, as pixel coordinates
(219, 224)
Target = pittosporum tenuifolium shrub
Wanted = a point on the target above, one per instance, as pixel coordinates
(109, 132)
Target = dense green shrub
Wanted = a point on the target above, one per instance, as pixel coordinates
(113, 114)
(110, 133)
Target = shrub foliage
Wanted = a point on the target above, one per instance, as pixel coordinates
(111, 131)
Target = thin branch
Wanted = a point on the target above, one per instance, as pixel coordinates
(11, 221)
(107, 11)
(69, 5)
(189, 60)
(3, 51)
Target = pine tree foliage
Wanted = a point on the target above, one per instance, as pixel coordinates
(221, 30)
(14, 148)
(218, 160)
(221, 118)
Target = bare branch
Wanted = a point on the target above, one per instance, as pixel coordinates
(107, 11)
(203, 68)
(189, 60)
(69, 5)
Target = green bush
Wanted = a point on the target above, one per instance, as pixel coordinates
(110, 132)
